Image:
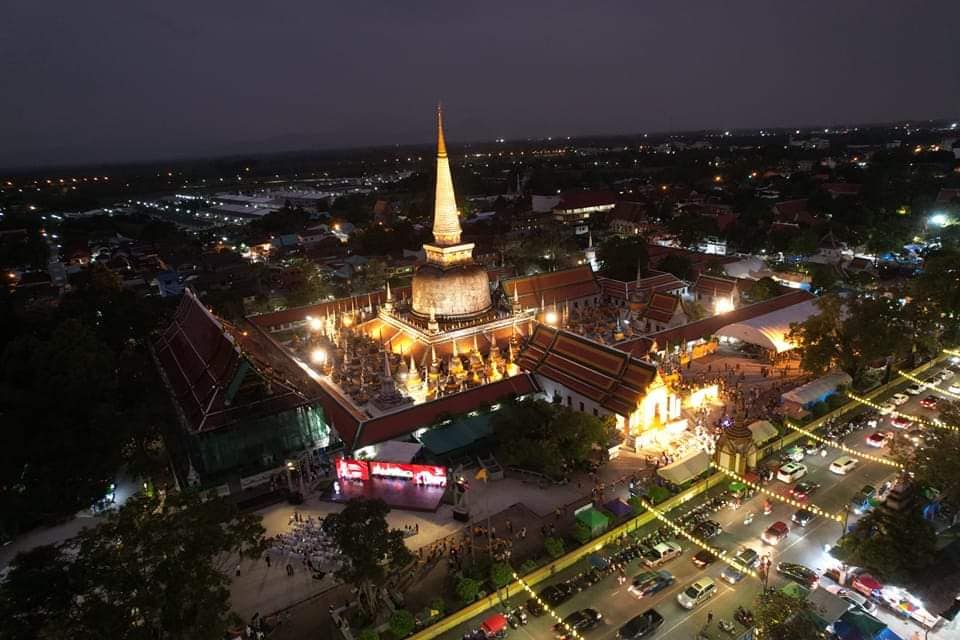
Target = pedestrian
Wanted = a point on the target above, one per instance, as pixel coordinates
(267, 558)
(238, 569)
(509, 527)
(709, 617)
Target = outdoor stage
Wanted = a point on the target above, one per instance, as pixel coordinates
(397, 493)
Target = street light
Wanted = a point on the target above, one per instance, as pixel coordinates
(318, 356)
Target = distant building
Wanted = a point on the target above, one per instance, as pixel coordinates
(717, 295)
(578, 207)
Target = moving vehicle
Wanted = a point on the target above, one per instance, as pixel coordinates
(843, 465)
(708, 529)
(697, 593)
(802, 517)
(557, 594)
(641, 626)
(888, 407)
(661, 553)
(794, 454)
(650, 582)
(901, 422)
(579, 621)
(812, 447)
(799, 573)
(946, 374)
(861, 501)
(954, 388)
(930, 402)
(747, 558)
(914, 389)
(775, 532)
(802, 490)
(704, 558)
(791, 472)
(879, 439)
(899, 399)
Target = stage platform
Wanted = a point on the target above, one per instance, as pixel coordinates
(398, 494)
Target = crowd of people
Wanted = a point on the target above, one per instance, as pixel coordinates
(306, 545)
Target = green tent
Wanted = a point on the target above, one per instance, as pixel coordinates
(737, 487)
(795, 590)
(593, 520)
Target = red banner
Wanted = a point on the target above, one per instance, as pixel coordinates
(427, 475)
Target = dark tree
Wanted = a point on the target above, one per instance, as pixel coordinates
(897, 546)
(677, 264)
(783, 617)
(623, 257)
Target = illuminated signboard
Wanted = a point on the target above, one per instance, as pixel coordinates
(350, 469)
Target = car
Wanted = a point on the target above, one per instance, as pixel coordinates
(802, 517)
(661, 553)
(899, 399)
(697, 593)
(579, 621)
(775, 532)
(930, 402)
(914, 389)
(879, 438)
(901, 422)
(916, 436)
(854, 599)
(799, 573)
(747, 558)
(944, 375)
(650, 582)
(802, 490)
(954, 389)
(866, 585)
(888, 407)
(812, 447)
(641, 626)
(861, 502)
(791, 472)
(708, 529)
(704, 558)
(843, 465)
(534, 608)
(794, 454)
(557, 594)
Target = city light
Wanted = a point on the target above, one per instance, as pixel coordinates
(812, 508)
(844, 448)
(897, 414)
(551, 317)
(318, 356)
(315, 323)
(553, 614)
(927, 385)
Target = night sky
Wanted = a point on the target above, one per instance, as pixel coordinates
(115, 80)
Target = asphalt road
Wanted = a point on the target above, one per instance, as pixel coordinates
(804, 545)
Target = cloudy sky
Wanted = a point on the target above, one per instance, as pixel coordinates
(115, 80)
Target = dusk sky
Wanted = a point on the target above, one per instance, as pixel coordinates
(117, 80)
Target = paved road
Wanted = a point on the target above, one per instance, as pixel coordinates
(805, 545)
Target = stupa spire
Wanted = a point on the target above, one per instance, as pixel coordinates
(446, 220)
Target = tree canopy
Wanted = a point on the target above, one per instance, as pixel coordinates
(897, 546)
(784, 617)
(153, 569)
(622, 258)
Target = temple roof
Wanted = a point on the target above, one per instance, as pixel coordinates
(612, 378)
(446, 220)
(714, 285)
(662, 307)
(655, 281)
(553, 287)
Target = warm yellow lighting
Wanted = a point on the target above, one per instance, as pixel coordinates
(347, 321)
(551, 317)
(897, 414)
(722, 305)
(812, 508)
(703, 396)
(927, 385)
(318, 356)
(841, 447)
(315, 324)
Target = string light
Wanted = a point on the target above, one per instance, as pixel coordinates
(570, 630)
(812, 508)
(927, 385)
(719, 553)
(842, 447)
(917, 419)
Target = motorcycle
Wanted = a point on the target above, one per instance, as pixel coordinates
(767, 507)
(727, 626)
(749, 519)
(744, 617)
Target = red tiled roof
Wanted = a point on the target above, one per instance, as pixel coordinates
(713, 285)
(553, 287)
(340, 305)
(630, 211)
(214, 380)
(662, 307)
(608, 376)
(793, 211)
(584, 199)
(842, 188)
(656, 281)
(708, 326)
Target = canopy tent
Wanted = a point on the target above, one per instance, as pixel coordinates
(771, 329)
(390, 451)
(494, 624)
(459, 435)
(795, 590)
(762, 431)
(817, 390)
(856, 624)
(685, 470)
(827, 606)
(595, 521)
(618, 508)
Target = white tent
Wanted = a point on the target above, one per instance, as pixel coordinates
(770, 330)
(686, 469)
(762, 431)
(817, 390)
(390, 451)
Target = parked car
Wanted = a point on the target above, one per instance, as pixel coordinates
(748, 558)
(803, 517)
(708, 529)
(879, 438)
(534, 608)
(661, 553)
(799, 573)
(954, 389)
(944, 375)
(697, 593)
(930, 402)
(914, 389)
(704, 558)
(791, 472)
(641, 626)
(843, 465)
(866, 584)
(775, 532)
(812, 447)
(794, 454)
(888, 407)
(899, 398)
(579, 621)
(854, 599)
(650, 582)
(901, 422)
(802, 490)
(861, 501)
(557, 594)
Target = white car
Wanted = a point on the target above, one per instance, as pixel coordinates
(853, 598)
(697, 593)
(791, 472)
(888, 407)
(946, 374)
(843, 465)
(899, 398)
(954, 388)
(915, 389)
